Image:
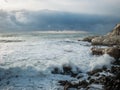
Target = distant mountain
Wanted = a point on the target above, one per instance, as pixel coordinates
(55, 20)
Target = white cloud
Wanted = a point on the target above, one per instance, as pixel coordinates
(110, 7)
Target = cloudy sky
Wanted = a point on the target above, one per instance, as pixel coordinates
(29, 14)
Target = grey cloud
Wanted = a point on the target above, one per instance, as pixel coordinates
(54, 20)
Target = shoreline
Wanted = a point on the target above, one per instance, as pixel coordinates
(98, 79)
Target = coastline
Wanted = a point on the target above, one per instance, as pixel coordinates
(98, 79)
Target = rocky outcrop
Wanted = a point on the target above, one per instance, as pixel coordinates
(106, 40)
(108, 78)
(112, 51)
(89, 38)
(109, 81)
(115, 31)
(112, 38)
(97, 51)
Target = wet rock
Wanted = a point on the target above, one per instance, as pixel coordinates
(97, 82)
(84, 83)
(117, 62)
(89, 38)
(92, 81)
(118, 76)
(109, 82)
(97, 74)
(112, 83)
(97, 51)
(94, 71)
(62, 82)
(67, 70)
(56, 71)
(115, 69)
(79, 76)
(70, 84)
(112, 51)
(89, 78)
(74, 74)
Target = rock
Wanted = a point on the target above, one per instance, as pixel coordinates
(56, 71)
(115, 69)
(112, 38)
(62, 82)
(70, 84)
(84, 83)
(67, 70)
(92, 81)
(106, 40)
(89, 38)
(97, 51)
(112, 51)
(94, 71)
(115, 31)
(98, 40)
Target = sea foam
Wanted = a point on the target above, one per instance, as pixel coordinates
(100, 61)
(27, 65)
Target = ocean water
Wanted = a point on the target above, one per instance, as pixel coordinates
(27, 59)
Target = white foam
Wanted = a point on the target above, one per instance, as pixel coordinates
(34, 59)
(99, 62)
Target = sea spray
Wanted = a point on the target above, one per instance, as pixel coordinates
(30, 63)
(100, 61)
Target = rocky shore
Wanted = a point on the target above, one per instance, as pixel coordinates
(97, 79)
(112, 40)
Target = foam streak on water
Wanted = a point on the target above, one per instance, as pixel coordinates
(27, 65)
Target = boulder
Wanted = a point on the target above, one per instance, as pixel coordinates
(97, 51)
(89, 38)
(112, 51)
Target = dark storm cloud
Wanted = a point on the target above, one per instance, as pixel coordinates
(55, 20)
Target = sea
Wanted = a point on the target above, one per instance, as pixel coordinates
(28, 58)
